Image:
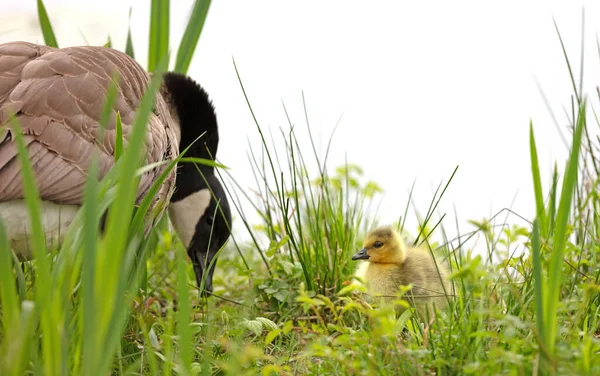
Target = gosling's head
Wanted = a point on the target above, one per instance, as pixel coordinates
(384, 246)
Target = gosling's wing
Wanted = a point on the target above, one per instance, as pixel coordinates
(420, 270)
(57, 95)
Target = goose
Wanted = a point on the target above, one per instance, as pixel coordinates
(57, 95)
(388, 264)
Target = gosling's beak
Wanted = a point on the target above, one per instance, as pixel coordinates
(361, 255)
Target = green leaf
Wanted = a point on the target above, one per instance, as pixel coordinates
(288, 326)
(267, 323)
(191, 36)
(254, 326)
(47, 31)
(271, 336)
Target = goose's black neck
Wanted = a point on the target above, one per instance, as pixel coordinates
(198, 126)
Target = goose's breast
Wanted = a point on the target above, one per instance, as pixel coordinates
(15, 218)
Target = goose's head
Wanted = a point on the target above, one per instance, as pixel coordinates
(199, 209)
(383, 246)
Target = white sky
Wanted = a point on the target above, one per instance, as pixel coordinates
(422, 86)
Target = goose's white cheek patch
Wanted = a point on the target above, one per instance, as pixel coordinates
(186, 213)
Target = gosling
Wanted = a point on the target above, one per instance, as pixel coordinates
(389, 264)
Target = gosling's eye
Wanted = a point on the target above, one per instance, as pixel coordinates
(210, 219)
(377, 244)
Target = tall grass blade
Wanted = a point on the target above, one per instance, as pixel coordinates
(118, 137)
(120, 213)
(159, 33)
(51, 341)
(118, 248)
(537, 183)
(552, 203)
(538, 282)
(572, 76)
(183, 315)
(191, 36)
(90, 333)
(9, 300)
(13, 348)
(560, 232)
(91, 345)
(48, 33)
(129, 42)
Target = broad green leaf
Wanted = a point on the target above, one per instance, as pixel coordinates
(271, 336)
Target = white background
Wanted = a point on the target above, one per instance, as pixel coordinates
(422, 86)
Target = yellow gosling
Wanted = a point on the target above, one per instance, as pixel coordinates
(389, 264)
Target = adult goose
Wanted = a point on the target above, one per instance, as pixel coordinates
(57, 96)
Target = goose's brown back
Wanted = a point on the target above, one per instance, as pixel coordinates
(57, 95)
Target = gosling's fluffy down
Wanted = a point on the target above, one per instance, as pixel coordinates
(389, 264)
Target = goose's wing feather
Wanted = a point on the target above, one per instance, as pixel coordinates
(57, 95)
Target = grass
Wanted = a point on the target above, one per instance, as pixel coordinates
(126, 303)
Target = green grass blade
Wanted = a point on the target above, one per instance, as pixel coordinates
(571, 74)
(159, 33)
(183, 314)
(49, 37)
(9, 299)
(191, 36)
(120, 213)
(537, 183)
(90, 244)
(538, 282)
(118, 138)
(13, 340)
(140, 214)
(119, 311)
(118, 249)
(129, 43)
(51, 341)
(107, 108)
(560, 232)
(552, 203)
